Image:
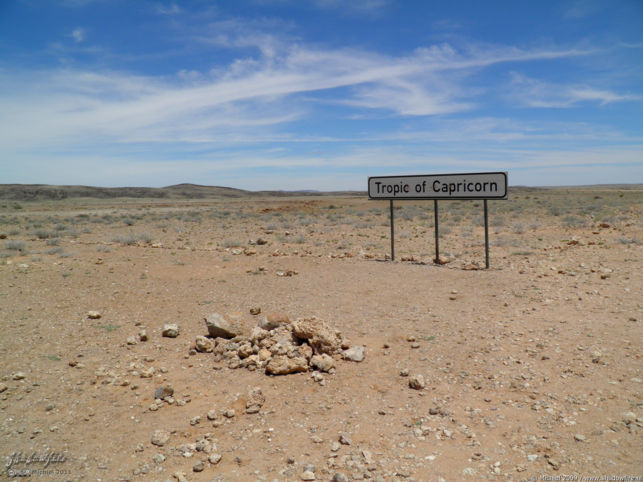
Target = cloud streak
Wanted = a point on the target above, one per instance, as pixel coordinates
(78, 34)
(64, 105)
(535, 93)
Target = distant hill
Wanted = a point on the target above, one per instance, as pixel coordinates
(41, 192)
(44, 192)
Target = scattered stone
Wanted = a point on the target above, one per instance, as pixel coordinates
(170, 330)
(321, 337)
(255, 311)
(339, 477)
(131, 340)
(322, 362)
(212, 415)
(204, 344)
(19, 376)
(3, 387)
(214, 459)
(404, 372)
(223, 327)
(307, 475)
(355, 354)
(199, 466)
(318, 377)
(282, 365)
(180, 477)
(579, 437)
(142, 335)
(93, 315)
(532, 457)
(627, 417)
(368, 457)
(345, 439)
(160, 437)
(195, 420)
(229, 413)
(273, 320)
(255, 400)
(158, 459)
(261, 241)
(416, 382)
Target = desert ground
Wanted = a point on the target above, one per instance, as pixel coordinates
(530, 370)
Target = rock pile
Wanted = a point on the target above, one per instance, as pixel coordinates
(276, 345)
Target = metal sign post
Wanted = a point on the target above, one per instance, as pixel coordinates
(392, 234)
(437, 235)
(465, 186)
(486, 236)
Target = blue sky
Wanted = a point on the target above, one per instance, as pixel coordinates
(319, 94)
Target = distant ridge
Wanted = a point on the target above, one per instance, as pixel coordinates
(44, 192)
(39, 192)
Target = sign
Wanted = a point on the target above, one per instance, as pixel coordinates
(473, 185)
(477, 185)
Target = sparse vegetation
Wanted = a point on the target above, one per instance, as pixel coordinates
(20, 246)
(479, 335)
(232, 243)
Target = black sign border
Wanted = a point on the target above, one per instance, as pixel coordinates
(430, 198)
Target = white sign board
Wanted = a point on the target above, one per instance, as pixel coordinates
(477, 185)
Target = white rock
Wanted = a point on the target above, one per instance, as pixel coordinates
(417, 382)
(355, 354)
(322, 362)
(170, 330)
(160, 437)
(214, 459)
(223, 326)
(203, 344)
(307, 475)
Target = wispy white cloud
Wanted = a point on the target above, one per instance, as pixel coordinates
(78, 34)
(236, 33)
(240, 117)
(535, 93)
(172, 9)
(63, 105)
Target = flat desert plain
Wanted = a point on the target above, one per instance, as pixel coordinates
(531, 370)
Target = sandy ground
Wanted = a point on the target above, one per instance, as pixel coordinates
(532, 369)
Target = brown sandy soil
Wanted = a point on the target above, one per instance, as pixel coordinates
(532, 368)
